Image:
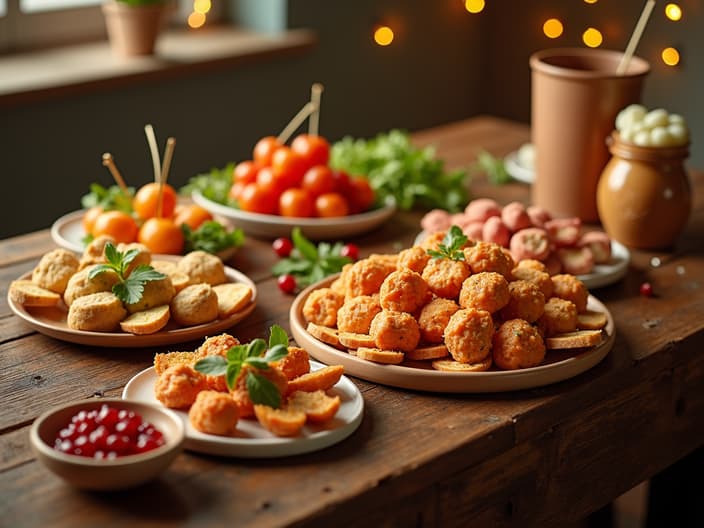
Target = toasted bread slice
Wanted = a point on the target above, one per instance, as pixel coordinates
(324, 333)
(577, 339)
(449, 365)
(377, 355)
(429, 352)
(591, 320)
(26, 293)
(353, 340)
(318, 406)
(147, 321)
(232, 297)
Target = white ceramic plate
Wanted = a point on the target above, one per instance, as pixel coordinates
(51, 321)
(517, 170)
(419, 375)
(253, 441)
(273, 226)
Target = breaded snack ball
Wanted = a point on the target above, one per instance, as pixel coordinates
(445, 276)
(488, 256)
(403, 290)
(178, 386)
(395, 331)
(80, 284)
(533, 264)
(201, 266)
(94, 253)
(569, 287)
(517, 344)
(540, 278)
(365, 276)
(434, 317)
(96, 312)
(156, 293)
(195, 304)
(144, 256)
(321, 306)
(214, 413)
(526, 301)
(217, 345)
(356, 314)
(240, 393)
(468, 335)
(559, 316)
(414, 258)
(390, 259)
(487, 290)
(54, 270)
(433, 240)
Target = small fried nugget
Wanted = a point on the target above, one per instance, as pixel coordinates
(195, 304)
(340, 283)
(217, 345)
(81, 284)
(365, 276)
(403, 290)
(434, 317)
(539, 278)
(317, 406)
(321, 379)
(178, 386)
(395, 331)
(533, 264)
(54, 270)
(164, 360)
(486, 290)
(281, 422)
(559, 316)
(201, 266)
(468, 335)
(433, 240)
(566, 286)
(356, 313)
(156, 293)
(241, 395)
(390, 259)
(414, 258)
(321, 306)
(214, 413)
(445, 276)
(97, 312)
(26, 293)
(517, 344)
(294, 364)
(489, 256)
(94, 253)
(526, 301)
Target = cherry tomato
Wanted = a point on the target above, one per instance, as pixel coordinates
(146, 200)
(362, 196)
(88, 219)
(318, 180)
(331, 204)
(269, 184)
(297, 203)
(282, 246)
(162, 235)
(192, 215)
(287, 283)
(253, 199)
(315, 150)
(235, 191)
(288, 166)
(342, 182)
(350, 250)
(121, 226)
(646, 289)
(245, 172)
(264, 149)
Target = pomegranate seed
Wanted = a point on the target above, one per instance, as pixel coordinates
(350, 250)
(646, 289)
(287, 283)
(282, 247)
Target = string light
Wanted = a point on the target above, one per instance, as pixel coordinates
(592, 37)
(383, 35)
(670, 56)
(474, 6)
(673, 12)
(201, 6)
(196, 20)
(552, 28)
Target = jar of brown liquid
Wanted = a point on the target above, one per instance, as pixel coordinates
(643, 195)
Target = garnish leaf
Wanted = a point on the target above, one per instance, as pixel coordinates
(302, 244)
(211, 236)
(276, 352)
(256, 348)
(262, 391)
(451, 245)
(277, 336)
(237, 353)
(212, 365)
(233, 370)
(257, 362)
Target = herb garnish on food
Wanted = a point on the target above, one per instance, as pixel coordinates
(211, 236)
(256, 354)
(494, 168)
(451, 245)
(131, 286)
(109, 198)
(214, 185)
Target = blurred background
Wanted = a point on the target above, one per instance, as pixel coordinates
(448, 60)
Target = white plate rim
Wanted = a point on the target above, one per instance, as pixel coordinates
(516, 170)
(270, 446)
(59, 231)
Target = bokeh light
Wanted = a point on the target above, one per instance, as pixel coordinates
(673, 12)
(474, 6)
(552, 28)
(201, 6)
(592, 37)
(590, 1)
(196, 20)
(383, 35)
(670, 56)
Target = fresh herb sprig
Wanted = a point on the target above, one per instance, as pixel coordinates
(109, 198)
(256, 354)
(214, 185)
(211, 236)
(494, 168)
(451, 245)
(310, 263)
(130, 287)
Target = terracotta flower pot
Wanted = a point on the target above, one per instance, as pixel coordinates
(133, 29)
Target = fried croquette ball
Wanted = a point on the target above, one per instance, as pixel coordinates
(96, 312)
(195, 304)
(201, 266)
(214, 413)
(533, 264)
(445, 276)
(468, 335)
(178, 386)
(81, 284)
(240, 393)
(156, 293)
(558, 317)
(94, 253)
(217, 345)
(517, 344)
(365, 276)
(487, 290)
(414, 258)
(395, 331)
(540, 278)
(433, 240)
(54, 270)
(434, 317)
(143, 256)
(569, 287)
(356, 314)
(403, 290)
(526, 301)
(489, 256)
(321, 306)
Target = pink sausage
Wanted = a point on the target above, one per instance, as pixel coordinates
(564, 232)
(482, 208)
(515, 216)
(530, 243)
(538, 216)
(600, 244)
(494, 230)
(435, 220)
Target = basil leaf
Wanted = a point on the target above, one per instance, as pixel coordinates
(257, 362)
(256, 348)
(237, 353)
(277, 336)
(262, 391)
(289, 265)
(306, 247)
(211, 365)
(233, 370)
(276, 352)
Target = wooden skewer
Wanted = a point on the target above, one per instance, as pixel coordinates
(301, 116)
(109, 162)
(635, 37)
(154, 149)
(315, 91)
(168, 155)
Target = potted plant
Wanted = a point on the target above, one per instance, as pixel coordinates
(133, 25)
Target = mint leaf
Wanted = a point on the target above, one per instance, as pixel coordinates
(276, 352)
(277, 336)
(262, 391)
(233, 370)
(237, 353)
(257, 362)
(211, 365)
(256, 348)
(302, 244)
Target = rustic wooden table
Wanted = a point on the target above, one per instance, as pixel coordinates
(545, 456)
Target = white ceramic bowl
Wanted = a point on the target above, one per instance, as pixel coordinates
(119, 473)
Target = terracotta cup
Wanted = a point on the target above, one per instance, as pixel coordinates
(576, 95)
(133, 29)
